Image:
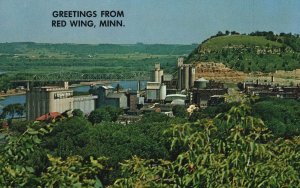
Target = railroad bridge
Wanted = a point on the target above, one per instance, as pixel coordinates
(76, 76)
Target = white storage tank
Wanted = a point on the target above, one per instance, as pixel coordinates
(200, 83)
(163, 92)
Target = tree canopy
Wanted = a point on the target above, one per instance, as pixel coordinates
(232, 149)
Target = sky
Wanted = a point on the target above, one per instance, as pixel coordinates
(146, 21)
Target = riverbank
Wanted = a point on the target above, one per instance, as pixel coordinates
(2, 95)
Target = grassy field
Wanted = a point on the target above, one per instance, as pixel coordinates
(249, 41)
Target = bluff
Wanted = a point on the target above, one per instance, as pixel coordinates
(255, 52)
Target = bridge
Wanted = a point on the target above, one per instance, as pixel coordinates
(76, 76)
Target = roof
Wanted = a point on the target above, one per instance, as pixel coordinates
(85, 97)
(51, 115)
(178, 102)
(153, 85)
(51, 88)
(107, 87)
(115, 95)
(202, 80)
(176, 95)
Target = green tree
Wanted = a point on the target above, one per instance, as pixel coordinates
(155, 117)
(73, 172)
(232, 150)
(99, 115)
(15, 166)
(5, 84)
(179, 111)
(114, 112)
(17, 169)
(281, 116)
(66, 137)
(13, 109)
(78, 113)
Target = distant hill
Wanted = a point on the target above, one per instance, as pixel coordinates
(258, 51)
(29, 57)
(86, 49)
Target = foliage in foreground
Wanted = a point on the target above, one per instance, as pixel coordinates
(237, 151)
(15, 169)
(233, 149)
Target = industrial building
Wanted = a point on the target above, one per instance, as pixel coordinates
(108, 97)
(157, 74)
(42, 100)
(271, 90)
(136, 101)
(186, 89)
(156, 90)
(206, 92)
(86, 103)
(48, 99)
(176, 99)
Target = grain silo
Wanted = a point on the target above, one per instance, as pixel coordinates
(186, 77)
(192, 76)
(179, 78)
(163, 92)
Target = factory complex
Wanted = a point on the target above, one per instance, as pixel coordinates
(161, 94)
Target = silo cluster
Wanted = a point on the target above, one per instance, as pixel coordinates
(156, 89)
(186, 75)
(157, 74)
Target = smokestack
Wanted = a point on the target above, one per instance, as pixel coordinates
(138, 85)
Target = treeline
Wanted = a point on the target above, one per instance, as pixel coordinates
(86, 49)
(77, 64)
(289, 39)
